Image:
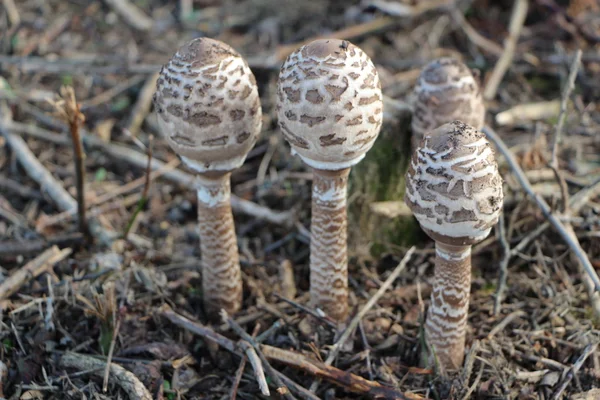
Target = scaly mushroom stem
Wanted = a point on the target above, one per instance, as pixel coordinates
(446, 323)
(328, 251)
(221, 274)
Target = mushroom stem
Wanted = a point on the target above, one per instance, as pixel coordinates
(446, 323)
(221, 274)
(328, 245)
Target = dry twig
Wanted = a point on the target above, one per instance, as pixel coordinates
(240, 370)
(75, 66)
(350, 33)
(13, 13)
(505, 258)
(504, 323)
(125, 379)
(111, 350)
(570, 239)
(131, 14)
(569, 86)
(137, 159)
(517, 20)
(256, 366)
(589, 349)
(31, 270)
(559, 128)
(34, 168)
(68, 110)
(144, 198)
(281, 387)
(346, 380)
(42, 176)
(142, 105)
(351, 382)
(25, 248)
(361, 314)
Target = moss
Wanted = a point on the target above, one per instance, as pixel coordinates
(381, 177)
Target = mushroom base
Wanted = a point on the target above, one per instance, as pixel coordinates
(446, 323)
(328, 244)
(221, 274)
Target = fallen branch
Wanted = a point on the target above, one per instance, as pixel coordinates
(517, 19)
(97, 65)
(570, 240)
(32, 270)
(576, 202)
(137, 159)
(350, 382)
(401, 9)
(142, 105)
(131, 14)
(38, 172)
(125, 379)
(256, 363)
(25, 248)
(43, 177)
(350, 33)
(249, 340)
(250, 353)
(589, 349)
(341, 378)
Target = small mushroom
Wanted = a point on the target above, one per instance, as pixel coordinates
(209, 111)
(455, 191)
(446, 91)
(330, 111)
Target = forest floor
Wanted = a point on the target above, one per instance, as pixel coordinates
(120, 315)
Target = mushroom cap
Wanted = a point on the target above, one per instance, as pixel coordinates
(208, 105)
(453, 186)
(329, 103)
(446, 91)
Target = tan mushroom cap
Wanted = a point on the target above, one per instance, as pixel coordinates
(453, 186)
(446, 91)
(329, 103)
(208, 105)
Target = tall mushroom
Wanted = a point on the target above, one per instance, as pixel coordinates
(446, 91)
(330, 111)
(455, 191)
(209, 111)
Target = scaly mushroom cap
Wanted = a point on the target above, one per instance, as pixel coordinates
(329, 103)
(208, 106)
(453, 186)
(446, 91)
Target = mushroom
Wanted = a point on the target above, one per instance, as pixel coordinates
(446, 90)
(455, 191)
(209, 111)
(330, 111)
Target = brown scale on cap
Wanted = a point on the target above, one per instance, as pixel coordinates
(446, 91)
(209, 111)
(330, 111)
(455, 191)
